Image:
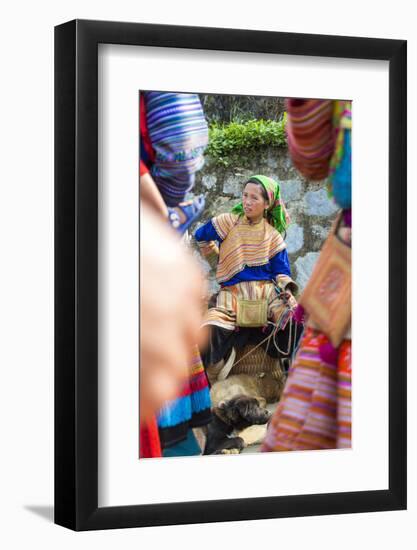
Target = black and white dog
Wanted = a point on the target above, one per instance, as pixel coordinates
(233, 416)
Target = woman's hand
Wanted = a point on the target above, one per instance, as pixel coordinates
(288, 294)
(171, 290)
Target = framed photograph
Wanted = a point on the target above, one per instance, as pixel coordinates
(107, 75)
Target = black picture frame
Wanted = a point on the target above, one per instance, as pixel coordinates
(76, 272)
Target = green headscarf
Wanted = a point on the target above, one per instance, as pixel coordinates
(277, 213)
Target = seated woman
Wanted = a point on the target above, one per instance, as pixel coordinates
(253, 271)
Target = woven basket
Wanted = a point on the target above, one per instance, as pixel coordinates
(256, 362)
(268, 371)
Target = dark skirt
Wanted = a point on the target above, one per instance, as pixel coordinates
(221, 341)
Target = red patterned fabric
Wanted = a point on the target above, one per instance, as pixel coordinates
(150, 446)
(143, 169)
(144, 133)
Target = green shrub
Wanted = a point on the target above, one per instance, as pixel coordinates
(227, 140)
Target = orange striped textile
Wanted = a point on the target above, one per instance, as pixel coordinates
(224, 314)
(247, 244)
(310, 135)
(344, 396)
(315, 409)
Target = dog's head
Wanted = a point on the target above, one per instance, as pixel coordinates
(242, 411)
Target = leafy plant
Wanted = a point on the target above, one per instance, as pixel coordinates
(226, 140)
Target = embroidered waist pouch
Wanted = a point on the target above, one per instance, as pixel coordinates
(251, 313)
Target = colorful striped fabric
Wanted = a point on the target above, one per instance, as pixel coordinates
(340, 170)
(310, 135)
(191, 409)
(315, 409)
(224, 223)
(344, 396)
(224, 314)
(342, 122)
(247, 244)
(178, 132)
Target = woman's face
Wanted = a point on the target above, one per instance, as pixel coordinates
(253, 201)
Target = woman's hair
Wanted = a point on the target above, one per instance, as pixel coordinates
(261, 187)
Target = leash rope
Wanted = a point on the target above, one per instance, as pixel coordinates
(280, 296)
(253, 349)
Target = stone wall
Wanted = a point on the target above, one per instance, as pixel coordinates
(311, 211)
(228, 108)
